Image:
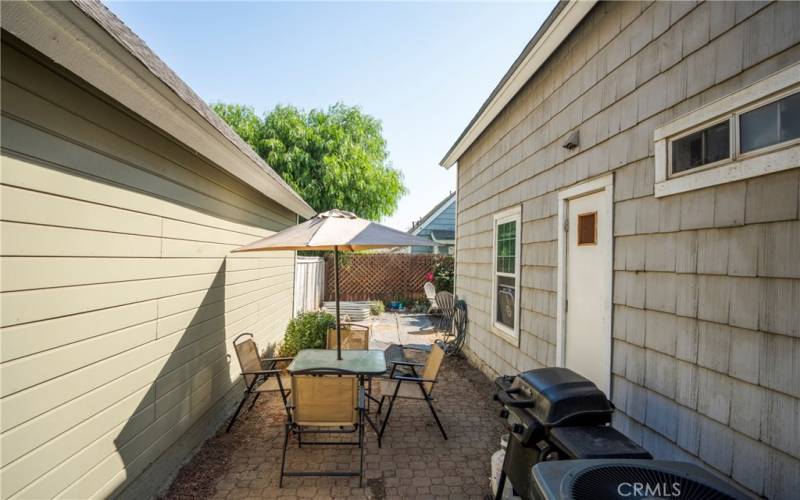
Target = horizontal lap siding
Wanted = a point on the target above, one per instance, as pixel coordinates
(706, 347)
(119, 295)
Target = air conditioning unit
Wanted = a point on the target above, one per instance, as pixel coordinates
(505, 304)
(607, 479)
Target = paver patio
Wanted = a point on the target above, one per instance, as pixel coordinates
(414, 462)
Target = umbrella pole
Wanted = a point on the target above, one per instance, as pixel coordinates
(338, 324)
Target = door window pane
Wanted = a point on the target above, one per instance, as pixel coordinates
(759, 128)
(587, 229)
(701, 148)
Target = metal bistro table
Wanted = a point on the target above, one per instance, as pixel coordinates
(362, 363)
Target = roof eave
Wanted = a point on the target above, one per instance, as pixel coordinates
(559, 24)
(72, 37)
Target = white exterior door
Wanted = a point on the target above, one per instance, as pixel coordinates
(587, 260)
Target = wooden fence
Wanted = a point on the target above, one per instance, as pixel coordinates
(386, 276)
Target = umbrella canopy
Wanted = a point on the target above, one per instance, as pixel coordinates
(336, 230)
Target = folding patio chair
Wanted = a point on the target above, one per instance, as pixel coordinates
(353, 337)
(260, 374)
(325, 402)
(446, 301)
(411, 386)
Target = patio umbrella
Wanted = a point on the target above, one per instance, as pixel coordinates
(336, 230)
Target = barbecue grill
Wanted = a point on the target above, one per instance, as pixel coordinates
(612, 479)
(556, 414)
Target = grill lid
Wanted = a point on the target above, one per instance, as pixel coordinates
(560, 394)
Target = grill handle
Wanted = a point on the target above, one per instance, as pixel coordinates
(506, 399)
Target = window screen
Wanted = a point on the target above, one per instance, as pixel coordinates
(587, 229)
(506, 247)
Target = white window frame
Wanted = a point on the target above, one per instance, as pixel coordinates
(513, 214)
(737, 166)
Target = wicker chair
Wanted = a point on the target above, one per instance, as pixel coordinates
(260, 374)
(411, 387)
(446, 302)
(354, 337)
(325, 402)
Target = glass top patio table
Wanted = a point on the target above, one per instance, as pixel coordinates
(371, 362)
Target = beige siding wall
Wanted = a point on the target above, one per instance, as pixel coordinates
(706, 349)
(119, 296)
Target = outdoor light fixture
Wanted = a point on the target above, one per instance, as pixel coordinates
(573, 141)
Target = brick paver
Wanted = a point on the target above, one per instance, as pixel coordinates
(414, 462)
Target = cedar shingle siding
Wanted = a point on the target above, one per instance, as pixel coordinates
(706, 336)
(119, 296)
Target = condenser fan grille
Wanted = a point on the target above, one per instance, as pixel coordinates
(612, 482)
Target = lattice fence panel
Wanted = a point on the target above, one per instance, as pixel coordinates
(379, 276)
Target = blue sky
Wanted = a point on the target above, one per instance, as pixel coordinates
(423, 69)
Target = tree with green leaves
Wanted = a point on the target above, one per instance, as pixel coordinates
(334, 158)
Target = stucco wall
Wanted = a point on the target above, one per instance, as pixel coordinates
(706, 348)
(119, 296)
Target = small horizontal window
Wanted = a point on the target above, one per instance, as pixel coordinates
(706, 146)
(751, 132)
(770, 124)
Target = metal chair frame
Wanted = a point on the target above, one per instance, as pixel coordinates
(415, 379)
(292, 427)
(347, 329)
(458, 331)
(258, 377)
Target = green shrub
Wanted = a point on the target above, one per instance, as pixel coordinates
(307, 331)
(376, 307)
(443, 274)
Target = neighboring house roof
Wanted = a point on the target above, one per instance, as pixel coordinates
(559, 24)
(434, 212)
(440, 236)
(87, 39)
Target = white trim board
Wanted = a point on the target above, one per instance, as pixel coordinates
(603, 183)
(512, 336)
(551, 39)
